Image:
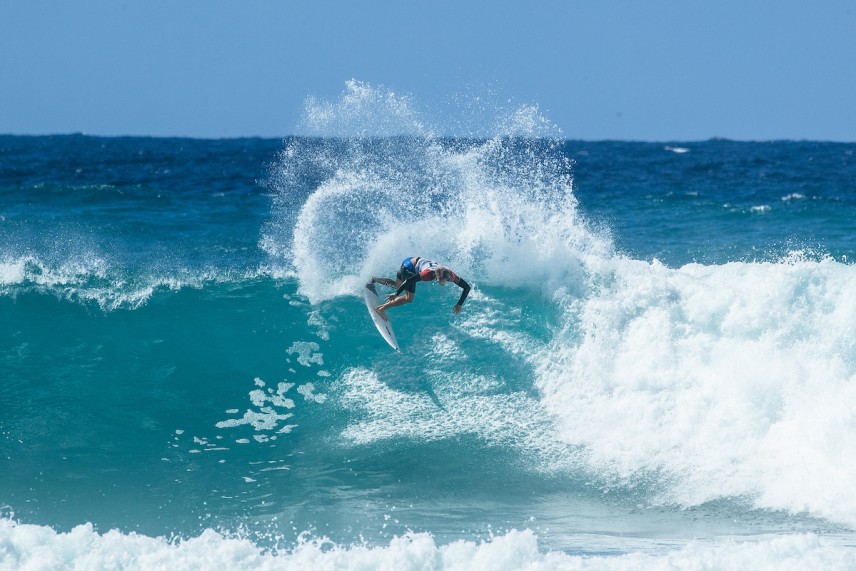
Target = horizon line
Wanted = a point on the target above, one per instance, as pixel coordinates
(448, 136)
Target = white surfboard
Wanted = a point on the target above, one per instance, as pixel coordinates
(383, 325)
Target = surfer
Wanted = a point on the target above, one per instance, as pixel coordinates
(412, 271)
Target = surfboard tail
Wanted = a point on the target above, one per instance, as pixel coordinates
(381, 323)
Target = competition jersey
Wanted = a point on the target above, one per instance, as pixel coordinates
(422, 266)
(425, 269)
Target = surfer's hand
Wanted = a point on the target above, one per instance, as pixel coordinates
(457, 309)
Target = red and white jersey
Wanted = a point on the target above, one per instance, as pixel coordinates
(427, 268)
(423, 265)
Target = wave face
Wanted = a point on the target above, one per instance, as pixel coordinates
(659, 347)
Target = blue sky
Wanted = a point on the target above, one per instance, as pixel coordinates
(599, 69)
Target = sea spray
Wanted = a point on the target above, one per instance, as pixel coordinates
(501, 208)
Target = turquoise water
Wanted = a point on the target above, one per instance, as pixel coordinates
(657, 357)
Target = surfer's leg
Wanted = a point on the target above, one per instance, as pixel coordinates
(407, 297)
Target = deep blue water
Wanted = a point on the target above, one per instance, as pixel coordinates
(660, 345)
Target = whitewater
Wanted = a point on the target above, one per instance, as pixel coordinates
(655, 368)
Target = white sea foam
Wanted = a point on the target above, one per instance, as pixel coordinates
(271, 408)
(307, 353)
(12, 271)
(87, 279)
(725, 381)
(460, 403)
(388, 412)
(16, 270)
(31, 547)
(308, 392)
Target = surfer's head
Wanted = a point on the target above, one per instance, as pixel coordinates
(443, 275)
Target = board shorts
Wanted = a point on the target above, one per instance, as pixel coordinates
(405, 271)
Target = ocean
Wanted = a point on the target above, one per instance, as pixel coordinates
(656, 367)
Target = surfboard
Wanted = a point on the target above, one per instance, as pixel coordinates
(383, 325)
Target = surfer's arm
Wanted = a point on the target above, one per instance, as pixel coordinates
(464, 286)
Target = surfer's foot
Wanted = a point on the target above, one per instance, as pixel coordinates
(381, 312)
